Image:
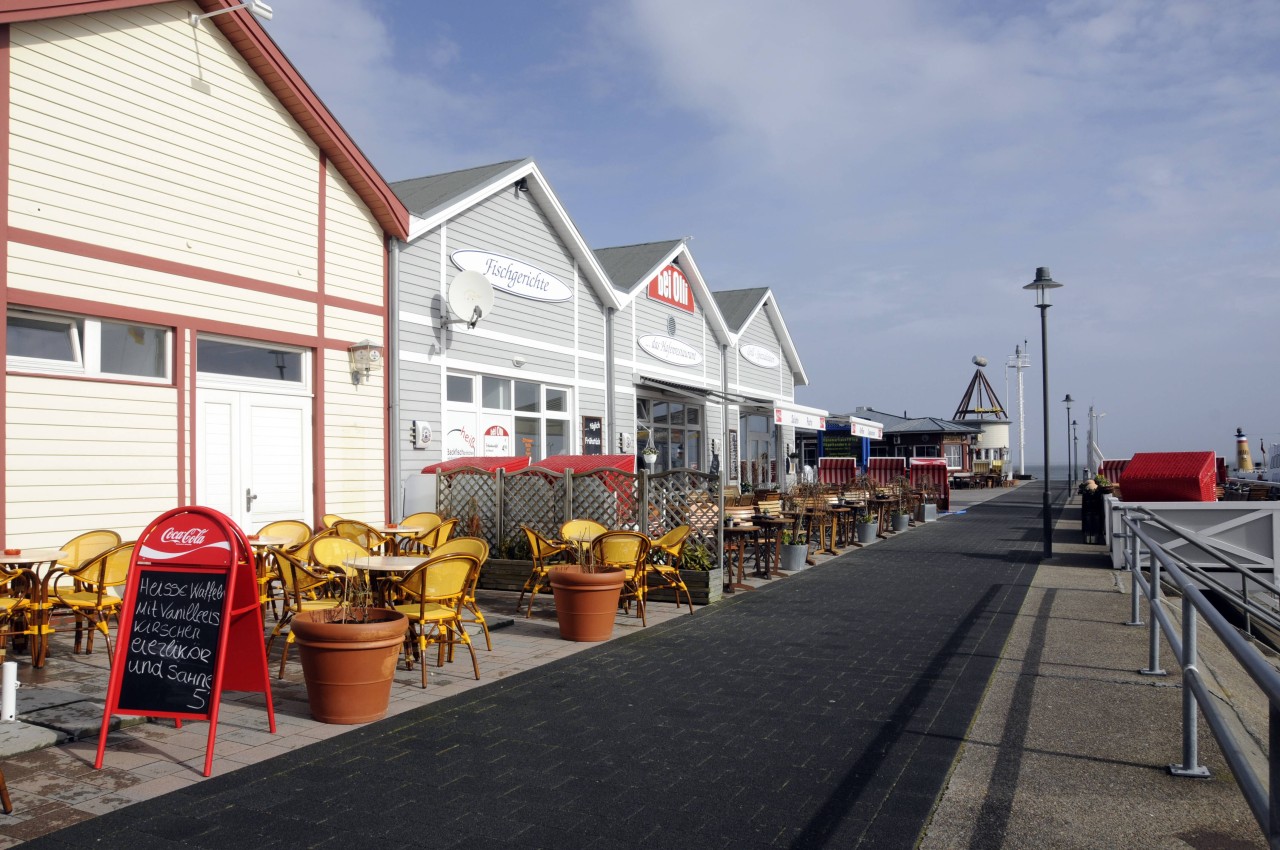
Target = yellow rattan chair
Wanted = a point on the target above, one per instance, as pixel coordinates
(365, 535)
(88, 595)
(306, 588)
(295, 533)
(82, 547)
(414, 527)
(664, 562)
(435, 591)
(435, 536)
(543, 552)
(329, 519)
(579, 534)
(478, 548)
(17, 587)
(630, 551)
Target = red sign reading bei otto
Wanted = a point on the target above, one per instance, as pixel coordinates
(672, 287)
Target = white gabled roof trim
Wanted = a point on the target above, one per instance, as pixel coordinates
(700, 288)
(780, 330)
(541, 191)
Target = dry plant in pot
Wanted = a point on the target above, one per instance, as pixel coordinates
(349, 653)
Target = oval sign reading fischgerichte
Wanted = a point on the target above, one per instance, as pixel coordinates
(670, 350)
(513, 276)
(760, 356)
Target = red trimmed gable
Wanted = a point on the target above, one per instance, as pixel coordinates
(284, 81)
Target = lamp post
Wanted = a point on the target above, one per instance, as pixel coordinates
(1071, 470)
(1075, 440)
(1042, 284)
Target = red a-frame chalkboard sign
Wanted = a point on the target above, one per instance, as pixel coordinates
(190, 624)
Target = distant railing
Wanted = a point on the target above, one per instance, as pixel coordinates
(1144, 552)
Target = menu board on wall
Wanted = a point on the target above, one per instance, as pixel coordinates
(837, 444)
(732, 471)
(592, 435)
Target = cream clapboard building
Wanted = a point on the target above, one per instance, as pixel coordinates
(193, 247)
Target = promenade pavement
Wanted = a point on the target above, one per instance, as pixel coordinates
(852, 704)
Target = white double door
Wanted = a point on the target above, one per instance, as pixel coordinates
(253, 456)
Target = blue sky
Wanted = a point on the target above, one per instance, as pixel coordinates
(895, 172)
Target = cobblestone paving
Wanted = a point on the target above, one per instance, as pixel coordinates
(820, 711)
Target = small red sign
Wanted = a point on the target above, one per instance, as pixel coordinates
(672, 287)
(186, 538)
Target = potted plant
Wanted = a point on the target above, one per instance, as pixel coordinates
(866, 527)
(586, 600)
(928, 510)
(349, 655)
(901, 519)
(795, 550)
(697, 564)
(650, 457)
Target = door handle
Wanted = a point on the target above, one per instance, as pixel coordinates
(248, 499)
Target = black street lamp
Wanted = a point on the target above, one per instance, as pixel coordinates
(1071, 470)
(1042, 284)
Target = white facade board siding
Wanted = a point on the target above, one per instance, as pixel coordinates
(353, 250)
(354, 442)
(650, 317)
(561, 343)
(156, 138)
(73, 276)
(156, 150)
(86, 454)
(753, 380)
(512, 225)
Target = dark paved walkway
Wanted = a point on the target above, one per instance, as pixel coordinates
(822, 711)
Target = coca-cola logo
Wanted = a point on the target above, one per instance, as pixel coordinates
(188, 537)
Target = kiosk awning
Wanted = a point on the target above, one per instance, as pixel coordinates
(587, 463)
(799, 416)
(488, 464)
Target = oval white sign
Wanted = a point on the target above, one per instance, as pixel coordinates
(760, 356)
(670, 350)
(513, 276)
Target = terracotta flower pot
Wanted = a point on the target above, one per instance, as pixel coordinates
(348, 667)
(586, 603)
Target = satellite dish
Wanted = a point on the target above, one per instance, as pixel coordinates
(470, 298)
(979, 360)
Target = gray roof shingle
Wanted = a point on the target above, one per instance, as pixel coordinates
(915, 425)
(736, 305)
(627, 264)
(422, 195)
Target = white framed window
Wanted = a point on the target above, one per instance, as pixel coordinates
(507, 416)
(955, 455)
(227, 362)
(62, 344)
(674, 429)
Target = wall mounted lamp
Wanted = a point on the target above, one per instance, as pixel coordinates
(365, 358)
(518, 361)
(256, 8)
(522, 185)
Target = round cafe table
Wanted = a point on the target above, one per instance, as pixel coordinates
(36, 563)
(385, 563)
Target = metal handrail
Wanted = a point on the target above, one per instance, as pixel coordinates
(1261, 793)
(1239, 597)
